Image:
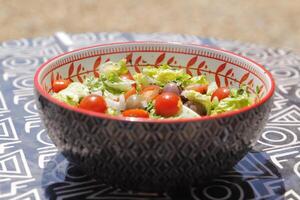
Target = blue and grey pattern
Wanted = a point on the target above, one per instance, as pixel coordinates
(31, 167)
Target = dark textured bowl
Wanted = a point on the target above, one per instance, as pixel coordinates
(154, 155)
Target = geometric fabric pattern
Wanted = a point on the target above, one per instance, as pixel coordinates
(32, 168)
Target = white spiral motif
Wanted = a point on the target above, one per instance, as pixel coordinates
(209, 192)
(297, 169)
(111, 37)
(74, 172)
(14, 44)
(255, 53)
(20, 62)
(219, 189)
(20, 65)
(31, 108)
(87, 38)
(58, 169)
(23, 82)
(297, 93)
(284, 72)
(43, 138)
(277, 136)
(225, 44)
(43, 41)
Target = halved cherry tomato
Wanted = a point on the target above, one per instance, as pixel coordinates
(150, 92)
(198, 88)
(94, 103)
(167, 104)
(60, 84)
(136, 113)
(130, 92)
(220, 93)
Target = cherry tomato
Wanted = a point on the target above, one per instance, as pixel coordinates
(136, 113)
(130, 92)
(59, 85)
(127, 76)
(94, 103)
(150, 92)
(167, 104)
(198, 87)
(221, 93)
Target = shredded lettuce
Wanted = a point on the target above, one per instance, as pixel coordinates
(112, 111)
(214, 103)
(65, 99)
(112, 86)
(235, 92)
(110, 77)
(73, 93)
(165, 74)
(198, 98)
(150, 106)
(119, 86)
(140, 80)
(196, 80)
(230, 104)
(239, 98)
(111, 80)
(94, 84)
(110, 67)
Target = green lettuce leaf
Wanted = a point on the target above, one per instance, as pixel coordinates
(94, 84)
(239, 98)
(196, 80)
(140, 80)
(117, 68)
(165, 74)
(119, 86)
(243, 90)
(72, 94)
(110, 77)
(231, 103)
(112, 111)
(65, 99)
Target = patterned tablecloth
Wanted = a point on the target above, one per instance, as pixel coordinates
(31, 167)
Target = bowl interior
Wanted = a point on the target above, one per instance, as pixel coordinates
(226, 68)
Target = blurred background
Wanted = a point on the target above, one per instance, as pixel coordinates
(273, 23)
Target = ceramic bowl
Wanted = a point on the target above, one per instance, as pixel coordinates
(150, 154)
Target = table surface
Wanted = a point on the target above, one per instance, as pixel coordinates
(31, 167)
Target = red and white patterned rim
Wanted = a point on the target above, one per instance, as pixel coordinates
(45, 94)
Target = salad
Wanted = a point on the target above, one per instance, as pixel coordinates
(157, 92)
